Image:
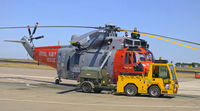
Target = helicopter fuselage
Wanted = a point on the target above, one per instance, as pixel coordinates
(109, 53)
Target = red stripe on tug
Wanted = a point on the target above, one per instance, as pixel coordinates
(46, 55)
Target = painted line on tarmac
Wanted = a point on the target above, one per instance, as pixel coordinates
(13, 75)
(106, 105)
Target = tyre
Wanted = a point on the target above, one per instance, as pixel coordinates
(86, 87)
(154, 91)
(131, 90)
(162, 95)
(138, 94)
(97, 90)
(57, 81)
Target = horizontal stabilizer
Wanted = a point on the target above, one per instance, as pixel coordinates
(16, 41)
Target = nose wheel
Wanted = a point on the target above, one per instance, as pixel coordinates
(57, 81)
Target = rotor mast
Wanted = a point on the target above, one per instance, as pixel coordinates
(111, 29)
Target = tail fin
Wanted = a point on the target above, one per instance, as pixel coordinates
(26, 43)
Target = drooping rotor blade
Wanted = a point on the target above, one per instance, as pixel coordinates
(159, 38)
(171, 38)
(84, 36)
(61, 26)
(16, 41)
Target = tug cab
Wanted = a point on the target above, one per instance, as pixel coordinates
(161, 79)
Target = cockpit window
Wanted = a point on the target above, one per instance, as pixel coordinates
(151, 56)
(128, 58)
(141, 56)
(147, 56)
(134, 58)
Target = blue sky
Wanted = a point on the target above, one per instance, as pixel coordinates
(175, 18)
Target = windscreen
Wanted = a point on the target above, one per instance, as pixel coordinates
(160, 72)
(172, 71)
(151, 56)
(141, 56)
(147, 56)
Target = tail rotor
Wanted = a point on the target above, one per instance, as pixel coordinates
(31, 38)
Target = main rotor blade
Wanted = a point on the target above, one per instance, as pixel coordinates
(20, 27)
(70, 27)
(84, 36)
(61, 26)
(159, 38)
(171, 38)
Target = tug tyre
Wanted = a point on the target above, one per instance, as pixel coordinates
(131, 90)
(154, 91)
(162, 95)
(138, 94)
(97, 90)
(86, 87)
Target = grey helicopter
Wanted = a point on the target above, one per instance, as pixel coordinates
(99, 48)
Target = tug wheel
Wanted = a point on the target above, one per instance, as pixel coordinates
(154, 91)
(131, 90)
(97, 90)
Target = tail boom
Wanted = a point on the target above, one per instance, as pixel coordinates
(46, 55)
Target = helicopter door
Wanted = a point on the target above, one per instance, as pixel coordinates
(75, 68)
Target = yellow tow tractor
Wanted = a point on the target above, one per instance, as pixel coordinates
(161, 79)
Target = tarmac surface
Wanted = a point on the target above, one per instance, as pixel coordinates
(34, 90)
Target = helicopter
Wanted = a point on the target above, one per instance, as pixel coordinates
(99, 48)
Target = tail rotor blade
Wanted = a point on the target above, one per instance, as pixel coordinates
(36, 25)
(29, 30)
(39, 37)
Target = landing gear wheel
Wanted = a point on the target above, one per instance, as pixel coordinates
(86, 87)
(154, 91)
(57, 81)
(131, 90)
